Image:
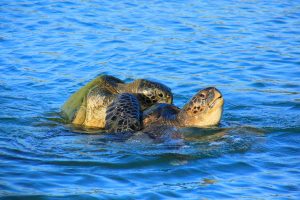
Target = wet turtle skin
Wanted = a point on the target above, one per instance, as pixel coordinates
(164, 120)
(87, 107)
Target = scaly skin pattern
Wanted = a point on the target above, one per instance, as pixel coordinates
(161, 113)
(92, 112)
(77, 100)
(148, 92)
(97, 101)
(124, 114)
(87, 107)
(204, 109)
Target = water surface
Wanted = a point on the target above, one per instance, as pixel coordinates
(250, 50)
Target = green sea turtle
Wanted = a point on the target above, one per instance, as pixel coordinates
(87, 107)
(124, 114)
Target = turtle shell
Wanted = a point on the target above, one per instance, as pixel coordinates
(74, 108)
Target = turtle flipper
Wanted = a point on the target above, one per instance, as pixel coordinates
(124, 115)
(73, 104)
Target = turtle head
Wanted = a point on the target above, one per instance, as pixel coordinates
(150, 93)
(204, 109)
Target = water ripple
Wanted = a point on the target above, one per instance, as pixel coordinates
(247, 49)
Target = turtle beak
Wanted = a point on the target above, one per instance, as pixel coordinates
(214, 97)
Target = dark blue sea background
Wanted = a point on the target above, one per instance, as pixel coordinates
(249, 50)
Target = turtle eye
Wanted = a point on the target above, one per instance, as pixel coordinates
(160, 95)
(202, 96)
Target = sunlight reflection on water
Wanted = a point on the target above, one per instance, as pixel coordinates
(247, 49)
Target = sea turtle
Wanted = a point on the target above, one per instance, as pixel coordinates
(124, 116)
(87, 106)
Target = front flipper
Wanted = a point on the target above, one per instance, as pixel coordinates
(124, 115)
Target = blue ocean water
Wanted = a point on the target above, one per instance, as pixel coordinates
(250, 50)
